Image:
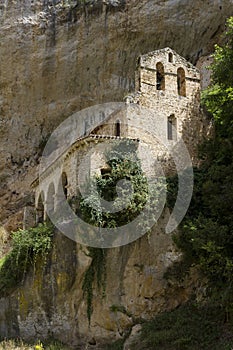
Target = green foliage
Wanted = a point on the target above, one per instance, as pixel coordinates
(209, 245)
(123, 165)
(188, 327)
(117, 345)
(222, 69)
(21, 345)
(218, 98)
(206, 236)
(27, 246)
(129, 199)
(96, 272)
(121, 309)
(55, 345)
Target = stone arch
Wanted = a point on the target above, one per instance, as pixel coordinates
(118, 128)
(160, 76)
(61, 190)
(40, 213)
(50, 200)
(181, 83)
(64, 183)
(170, 57)
(172, 127)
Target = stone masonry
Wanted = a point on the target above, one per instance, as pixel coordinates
(164, 109)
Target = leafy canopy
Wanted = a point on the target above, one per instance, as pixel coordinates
(206, 236)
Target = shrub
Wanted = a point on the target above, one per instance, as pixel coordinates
(27, 246)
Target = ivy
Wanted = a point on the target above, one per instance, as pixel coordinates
(129, 199)
(95, 272)
(128, 202)
(27, 247)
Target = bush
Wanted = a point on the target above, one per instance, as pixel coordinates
(206, 234)
(27, 246)
(188, 327)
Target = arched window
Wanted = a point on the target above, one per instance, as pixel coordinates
(40, 209)
(160, 76)
(170, 57)
(118, 128)
(171, 127)
(64, 182)
(181, 84)
(50, 199)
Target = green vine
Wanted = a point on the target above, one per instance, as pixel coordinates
(95, 273)
(27, 247)
(122, 164)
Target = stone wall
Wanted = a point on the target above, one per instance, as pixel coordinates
(190, 122)
(56, 60)
(160, 118)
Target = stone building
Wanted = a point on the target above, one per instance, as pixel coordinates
(164, 109)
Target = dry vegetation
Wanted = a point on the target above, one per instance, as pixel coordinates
(20, 345)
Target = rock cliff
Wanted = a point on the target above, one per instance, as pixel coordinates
(50, 301)
(57, 57)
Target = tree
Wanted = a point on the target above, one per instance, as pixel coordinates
(206, 236)
(218, 98)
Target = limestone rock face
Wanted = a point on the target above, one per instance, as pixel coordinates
(57, 57)
(50, 301)
(133, 338)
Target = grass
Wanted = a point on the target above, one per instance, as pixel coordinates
(188, 327)
(2, 261)
(20, 345)
(117, 345)
(13, 345)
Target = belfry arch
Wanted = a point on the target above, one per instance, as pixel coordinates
(118, 128)
(160, 76)
(64, 183)
(181, 83)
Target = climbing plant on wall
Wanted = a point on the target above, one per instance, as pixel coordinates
(122, 164)
(27, 247)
